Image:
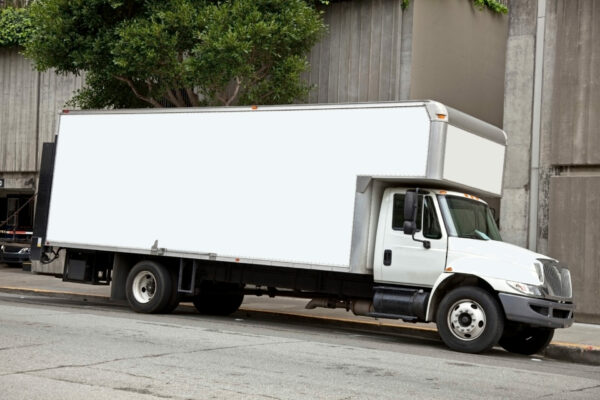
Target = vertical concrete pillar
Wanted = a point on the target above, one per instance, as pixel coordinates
(518, 109)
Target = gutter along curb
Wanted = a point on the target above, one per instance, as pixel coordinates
(562, 351)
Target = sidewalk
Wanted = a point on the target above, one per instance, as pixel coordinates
(580, 343)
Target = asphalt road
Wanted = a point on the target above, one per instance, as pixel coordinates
(59, 349)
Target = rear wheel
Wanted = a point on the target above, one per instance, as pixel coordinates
(526, 340)
(217, 298)
(173, 302)
(469, 320)
(149, 287)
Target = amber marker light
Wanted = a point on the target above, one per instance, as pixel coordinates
(254, 107)
(443, 192)
(441, 116)
(448, 269)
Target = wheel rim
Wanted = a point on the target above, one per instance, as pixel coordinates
(144, 287)
(466, 320)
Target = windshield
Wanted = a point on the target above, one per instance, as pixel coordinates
(468, 218)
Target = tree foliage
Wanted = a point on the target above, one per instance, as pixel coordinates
(179, 52)
(15, 27)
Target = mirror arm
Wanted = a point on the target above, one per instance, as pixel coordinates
(426, 243)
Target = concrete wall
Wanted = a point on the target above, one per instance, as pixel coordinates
(570, 158)
(29, 106)
(574, 235)
(458, 57)
(442, 50)
(19, 95)
(568, 206)
(362, 57)
(518, 114)
(575, 116)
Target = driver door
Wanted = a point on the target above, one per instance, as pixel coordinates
(404, 260)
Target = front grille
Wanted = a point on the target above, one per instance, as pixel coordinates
(561, 313)
(557, 280)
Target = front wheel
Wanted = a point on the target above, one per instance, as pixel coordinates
(526, 340)
(469, 320)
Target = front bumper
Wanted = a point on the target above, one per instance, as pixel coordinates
(537, 312)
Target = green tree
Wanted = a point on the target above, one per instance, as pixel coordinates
(15, 26)
(179, 52)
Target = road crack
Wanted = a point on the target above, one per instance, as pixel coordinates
(158, 355)
(24, 346)
(570, 391)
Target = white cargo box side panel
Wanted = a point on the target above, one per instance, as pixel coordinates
(266, 185)
(473, 160)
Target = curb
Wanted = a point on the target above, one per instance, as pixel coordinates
(346, 323)
(58, 294)
(561, 351)
(577, 353)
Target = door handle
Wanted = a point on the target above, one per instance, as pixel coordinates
(387, 257)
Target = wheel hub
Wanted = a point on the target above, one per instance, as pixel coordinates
(466, 320)
(144, 287)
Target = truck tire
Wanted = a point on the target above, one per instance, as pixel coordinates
(469, 320)
(149, 287)
(173, 302)
(527, 340)
(218, 298)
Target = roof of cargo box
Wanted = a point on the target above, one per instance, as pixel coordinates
(436, 110)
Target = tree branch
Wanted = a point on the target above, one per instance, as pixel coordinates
(193, 97)
(179, 97)
(137, 94)
(238, 83)
(173, 99)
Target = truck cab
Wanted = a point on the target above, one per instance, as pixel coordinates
(447, 244)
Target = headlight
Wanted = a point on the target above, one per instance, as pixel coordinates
(25, 250)
(524, 288)
(539, 269)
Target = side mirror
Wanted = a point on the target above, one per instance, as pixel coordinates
(410, 212)
(410, 227)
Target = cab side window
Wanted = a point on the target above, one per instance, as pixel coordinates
(426, 216)
(431, 225)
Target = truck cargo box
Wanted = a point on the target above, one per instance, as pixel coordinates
(266, 185)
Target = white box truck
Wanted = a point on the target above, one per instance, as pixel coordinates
(372, 207)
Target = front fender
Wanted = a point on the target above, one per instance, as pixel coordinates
(449, 280)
